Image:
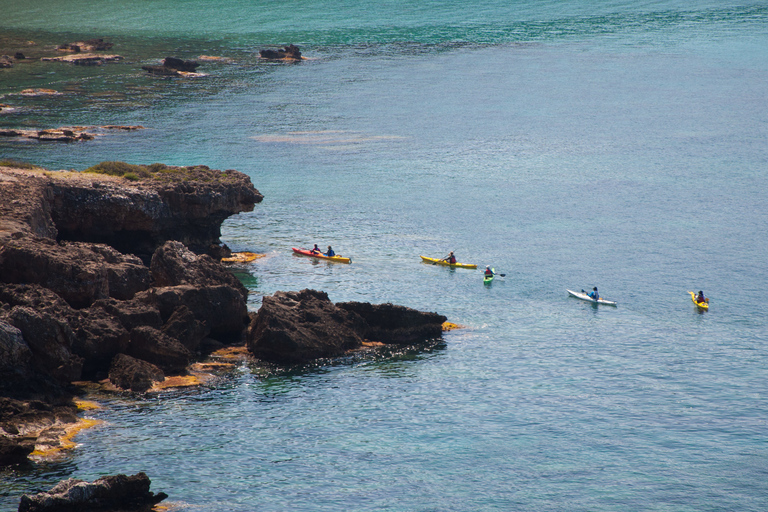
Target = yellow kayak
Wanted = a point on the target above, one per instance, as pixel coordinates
(242, 257)
(436, 261)
(702, 305)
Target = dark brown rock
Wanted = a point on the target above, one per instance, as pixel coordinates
(108, 493)
(290, 52)
(99, 337)
(295, 327)
(15, 450)
(188, 204)
(131, 313)
(158, 348)
(133, 374)
(184, 327)
(126, 273)
(173, 265)
(50, 340)
(181, 65)
(222, 309)
(77, 272)
(392, 324)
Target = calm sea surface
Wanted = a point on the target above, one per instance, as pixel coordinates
(567, 144)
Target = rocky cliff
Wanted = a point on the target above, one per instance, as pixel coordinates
(110, 276)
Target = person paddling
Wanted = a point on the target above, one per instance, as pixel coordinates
(450, 258)
(701, 298)
(489, 271)
(330, 252)
(593, 294)
(316, 250)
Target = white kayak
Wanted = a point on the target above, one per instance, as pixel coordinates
(584, 296)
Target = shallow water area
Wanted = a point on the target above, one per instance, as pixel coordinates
(565, 144)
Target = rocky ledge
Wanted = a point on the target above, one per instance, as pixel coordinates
(114, 274)
(109, 493)
(109, 276)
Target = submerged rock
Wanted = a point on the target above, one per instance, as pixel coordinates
(172, 66)
(290, 52)
(108, 493)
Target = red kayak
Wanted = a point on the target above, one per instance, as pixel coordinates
(306, 252)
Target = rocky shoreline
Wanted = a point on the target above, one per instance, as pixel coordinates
(113, 276)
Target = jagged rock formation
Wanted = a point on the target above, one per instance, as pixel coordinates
(76, 302)
(296, 327)
(108, 493)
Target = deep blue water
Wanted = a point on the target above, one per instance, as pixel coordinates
(567, 144)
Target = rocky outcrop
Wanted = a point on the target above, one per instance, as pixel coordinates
(296, 327)
(108, 493)
(24, 422)
(77, 303)
(63, 134)
(173, 265)
(185, 204)
(80, 273)
(398, 325)
(89, 45)
(290, 52)
(127, 372)
(173, 67)
(84, 59)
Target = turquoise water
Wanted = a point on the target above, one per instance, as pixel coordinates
(566, 144)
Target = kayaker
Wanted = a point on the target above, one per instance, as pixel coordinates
(330, 252)
(316, 250)
(488, 271)
(593, 294)
(450, 258)
(701, 297)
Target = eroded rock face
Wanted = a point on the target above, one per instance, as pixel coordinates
(50, 340)
(138, 217)
(117, 492)
(79, 273)
(15, 355)
(222, 309)
(296, 327)
(153, 346)
(173, 265)
(392, 324)
(133, 374)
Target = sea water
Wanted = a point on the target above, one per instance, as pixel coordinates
(567, 144)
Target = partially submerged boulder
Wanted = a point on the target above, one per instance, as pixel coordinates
(290, 52)
(296, 327)
(173, 66)
(108, 493)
